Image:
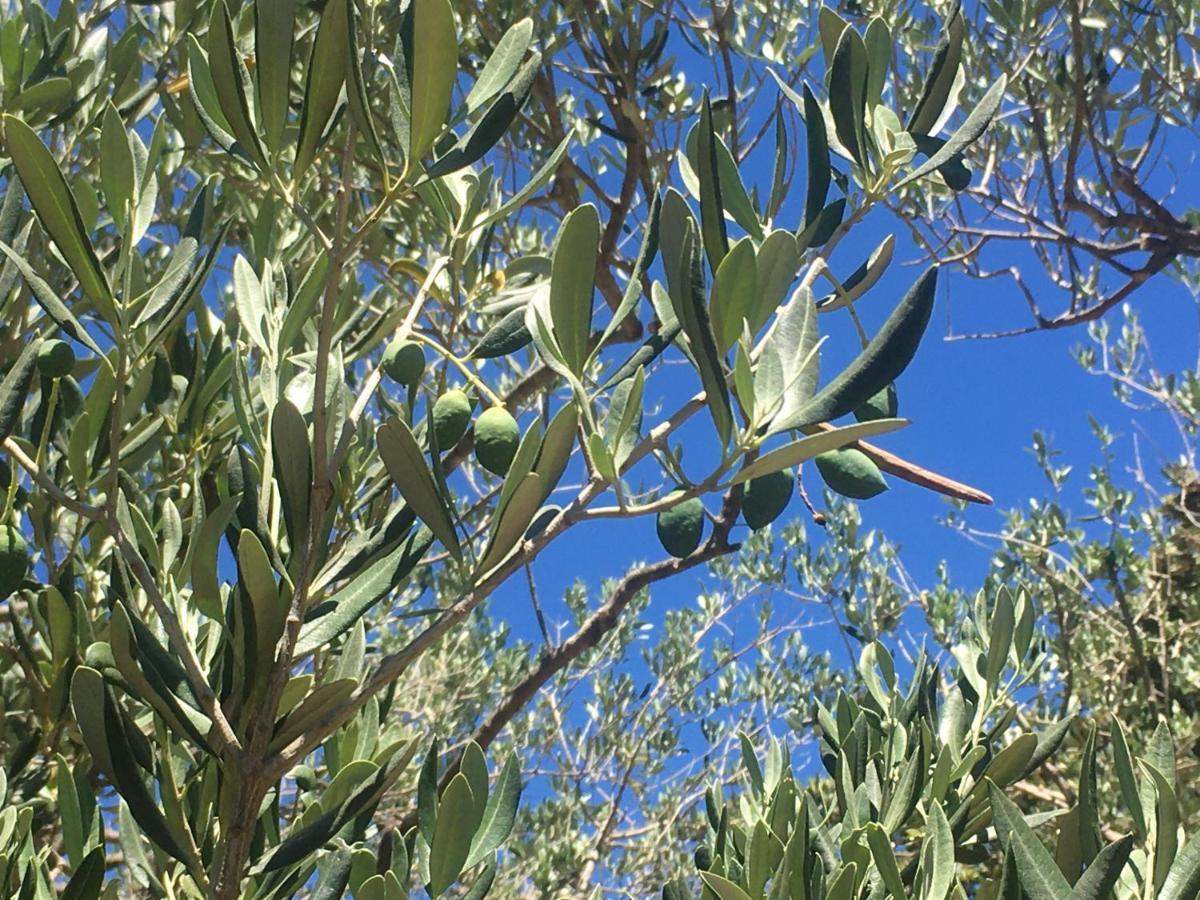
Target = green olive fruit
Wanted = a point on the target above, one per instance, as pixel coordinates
(496, 439)
(14, 559)
(451, 416)
(404, 362)
(882, 405)
(99, 656)
(681, 527)
(851, 473)
(766, 497)
(56, 359)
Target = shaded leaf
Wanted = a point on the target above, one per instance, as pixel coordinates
(405, 464)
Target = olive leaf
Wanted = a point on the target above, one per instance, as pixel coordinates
(274, 27)
(57, 210)
(405, 464)
(848, 76)
(230, 81)
(805, 448)
(862, 279)
(328, 63)
(572, 284)
(886, 355)
(938, 88)
(293, 468)
(692, 312)
(712, 204)
(434, 70)
(501, 66)
(968, 133)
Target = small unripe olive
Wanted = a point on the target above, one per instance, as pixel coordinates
(56, 359)
(496, 439)
(681, 527)
(766, 497)
(451, 415)
(851, 473)
(404, 362)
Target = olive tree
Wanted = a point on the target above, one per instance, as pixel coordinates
(284, 351)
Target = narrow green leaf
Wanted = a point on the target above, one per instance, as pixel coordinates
(405, 464)
(1183, 881)
(177, 300)
(452, 835)
(1101, 876)
(328, 64)
(1049, 740)
(492, 125)
(356, 87)
(323, 698)
(778, 261)
(225, 64)
(14, 388)
(885, 860)
(712, 205)
(968, 133)
(293, 468)
(633, 288)
(862, 279)
(1123, 762)
(943, 72)
(501, 65)
(499, 814)
(650, 350)
(735, 288)
(572, 283)
(821, 229)
(206, 589)
(878, 40)
(786, 376)
(692, 312)
(117, 173)
(507, 336)
(434, 71)
(848, 76)
(1166, 826)
(334, 616)
(1036, 868)
(819, 169)
(883, 359)
(512, 521)
(56, 209)
(87, 878)
(120, 732)
(555, 451)
(807, 447)
(937, 854)
(736, 200)
(274, 28)
(1089, 814)
(531, 187)
(723, 887)
(999, 639)
(258, 583)
(203, 93)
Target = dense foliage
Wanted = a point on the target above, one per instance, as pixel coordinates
(303, 361)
